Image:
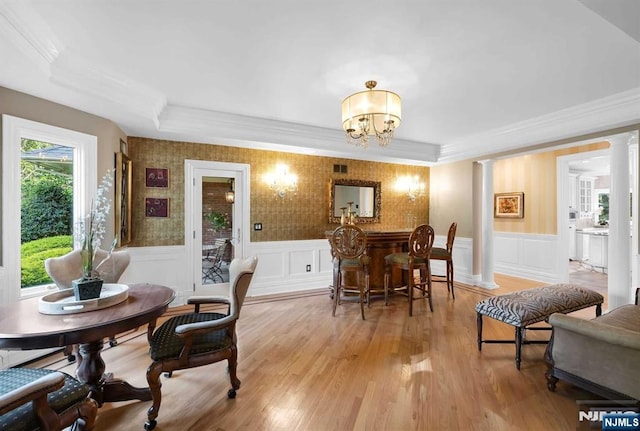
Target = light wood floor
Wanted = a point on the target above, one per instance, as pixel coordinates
(302, 369)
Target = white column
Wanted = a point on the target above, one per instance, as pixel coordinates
(619, 254)
(487, 226)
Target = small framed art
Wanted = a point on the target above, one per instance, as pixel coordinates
(157, 177)
(156, 207)
(509, 205)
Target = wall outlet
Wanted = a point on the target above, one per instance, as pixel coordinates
(257, 226)
(308, 268)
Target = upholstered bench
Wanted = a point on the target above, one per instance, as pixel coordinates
(530, 306)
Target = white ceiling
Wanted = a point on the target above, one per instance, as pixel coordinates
(475, 77)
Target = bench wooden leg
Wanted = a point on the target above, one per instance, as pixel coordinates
(519, 332)
(479, 323)
(598, 310)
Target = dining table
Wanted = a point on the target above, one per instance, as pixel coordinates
(24, 327)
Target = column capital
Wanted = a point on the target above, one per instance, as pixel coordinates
(627, 138)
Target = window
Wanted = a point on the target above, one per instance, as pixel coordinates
(83, 151)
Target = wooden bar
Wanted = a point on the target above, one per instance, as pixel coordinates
(379, 245)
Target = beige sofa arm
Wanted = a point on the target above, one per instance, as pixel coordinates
(596, 330)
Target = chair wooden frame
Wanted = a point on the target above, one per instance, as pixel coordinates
(417, 258)
(349, 251)
(446, 254)
(194, 337)
(82, 414)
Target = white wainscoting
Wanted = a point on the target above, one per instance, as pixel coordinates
(282, 266)
(530, 256)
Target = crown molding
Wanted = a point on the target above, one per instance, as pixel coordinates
(618, 110)
(30, 34)
(76, 73)
(225, 128)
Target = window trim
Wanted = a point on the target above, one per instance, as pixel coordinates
(85, 150)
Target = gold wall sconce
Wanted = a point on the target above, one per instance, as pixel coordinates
(282, 182)
(411, 185)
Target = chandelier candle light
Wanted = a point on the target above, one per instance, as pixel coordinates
(282, 182)
(371, 112)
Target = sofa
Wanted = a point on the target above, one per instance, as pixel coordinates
(601, 355)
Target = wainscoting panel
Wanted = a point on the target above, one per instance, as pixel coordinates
(462, 259)
(530, 256)
(282, 266)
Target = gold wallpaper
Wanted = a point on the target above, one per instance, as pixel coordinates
(303, 217)
(536, 176)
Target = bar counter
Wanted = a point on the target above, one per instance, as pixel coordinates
(379, 244)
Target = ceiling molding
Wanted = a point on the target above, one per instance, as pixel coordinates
(207, 126)
(74, 72)
(618, 110)
(30, 34)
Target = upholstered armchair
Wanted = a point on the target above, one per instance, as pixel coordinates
(39, 399)
(196, 339)
(64, 269)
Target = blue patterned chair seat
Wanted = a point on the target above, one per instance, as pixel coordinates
(23, 418)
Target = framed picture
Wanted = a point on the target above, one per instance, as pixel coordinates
(123, 199)
(156, 207)
(157, 177)
(123, 147)
(508, 205)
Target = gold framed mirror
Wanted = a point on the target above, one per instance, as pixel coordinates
(365, 198)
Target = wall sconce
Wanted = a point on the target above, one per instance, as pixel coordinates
(281, 181)
(412, 186)
(230, 196)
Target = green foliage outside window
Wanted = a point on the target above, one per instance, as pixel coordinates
(33, 253)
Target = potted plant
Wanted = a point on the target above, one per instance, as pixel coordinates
(89, 233)
(218, 220)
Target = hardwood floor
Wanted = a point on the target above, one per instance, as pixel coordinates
(302, 369)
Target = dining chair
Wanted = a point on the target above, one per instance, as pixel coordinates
(213, 259)
(446, 254)
(350, 265)
(195, 339)
(417, 258)
(40, 399)
(66, 268)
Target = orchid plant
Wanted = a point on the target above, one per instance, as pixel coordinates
(91, 228)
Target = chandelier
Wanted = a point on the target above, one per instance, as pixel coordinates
(371, 112)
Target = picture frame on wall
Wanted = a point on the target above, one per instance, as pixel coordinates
(123, 198)
(157, 177)
(156, 207)
(123, 147)
(508, 205)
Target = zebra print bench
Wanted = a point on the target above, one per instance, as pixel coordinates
(526, 307)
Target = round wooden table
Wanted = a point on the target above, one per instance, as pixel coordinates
(23, 327)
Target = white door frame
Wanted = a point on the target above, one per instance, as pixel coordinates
(194, 170)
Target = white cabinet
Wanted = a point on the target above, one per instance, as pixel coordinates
(572, 242)
(573, 188)
(585, 196)
(598, 251)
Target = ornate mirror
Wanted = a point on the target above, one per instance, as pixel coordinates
(363, 195)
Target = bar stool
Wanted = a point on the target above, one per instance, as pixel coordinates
(420, 244)
(439, 253)
(349, 251)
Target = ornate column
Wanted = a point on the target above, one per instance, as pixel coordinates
(487, 226)
(619, 240)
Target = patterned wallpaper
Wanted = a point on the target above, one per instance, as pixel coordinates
(303, 217)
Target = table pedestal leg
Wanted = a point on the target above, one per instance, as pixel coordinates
(103, 387)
